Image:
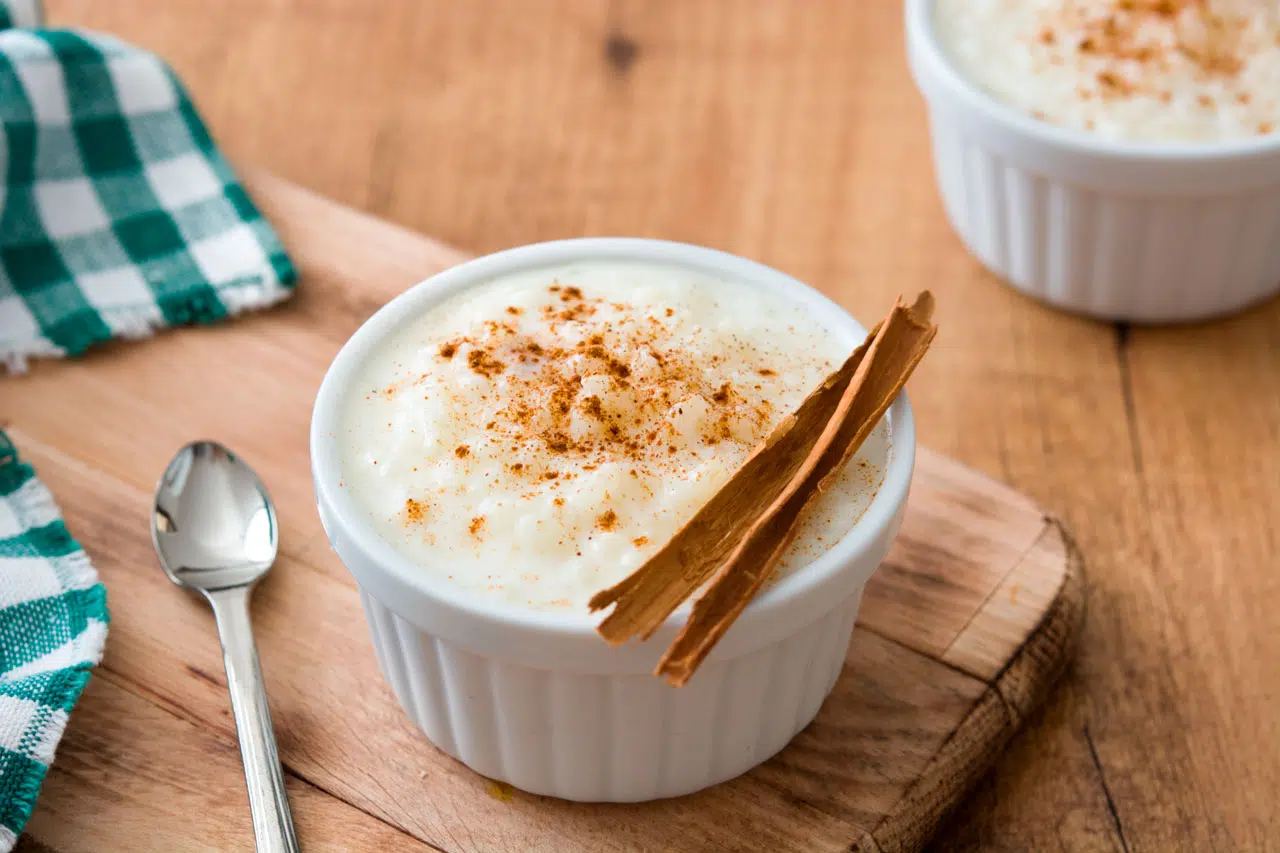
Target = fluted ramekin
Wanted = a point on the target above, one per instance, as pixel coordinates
(1144, 232)
(537, 699)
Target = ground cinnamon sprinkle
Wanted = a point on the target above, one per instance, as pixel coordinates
(483, 363)
(718, 431)
(561, 399)
(615, 367)
(448, 350)
(1113, 83)
(575, 312)
(414, 511)
(640, 541)
(1142, 37)
(607, 520)
(477, 526)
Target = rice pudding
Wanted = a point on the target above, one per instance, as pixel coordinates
(536, 438)
(1153, 70)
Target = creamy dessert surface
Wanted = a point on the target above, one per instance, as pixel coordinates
(1153, 70)
(538, 437)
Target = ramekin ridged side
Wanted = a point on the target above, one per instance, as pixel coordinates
(605, 737)
(1139, 232)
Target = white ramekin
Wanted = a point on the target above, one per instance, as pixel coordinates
(1144, 232)
(538, 699)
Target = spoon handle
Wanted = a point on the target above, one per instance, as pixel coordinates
(272, 822)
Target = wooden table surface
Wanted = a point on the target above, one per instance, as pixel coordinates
(789, 132)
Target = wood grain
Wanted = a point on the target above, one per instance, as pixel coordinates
(902, 737)
(130, 775)
(789, 132)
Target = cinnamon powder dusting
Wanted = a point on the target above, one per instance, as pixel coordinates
(1130, 45)
(482, 362)
(414, 511)
(1149, 32)
(570, 388)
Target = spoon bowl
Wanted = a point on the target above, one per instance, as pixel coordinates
(213, 525)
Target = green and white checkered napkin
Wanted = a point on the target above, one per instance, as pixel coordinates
(120, 216)
(53, 623)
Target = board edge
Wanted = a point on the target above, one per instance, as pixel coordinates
(998, 714)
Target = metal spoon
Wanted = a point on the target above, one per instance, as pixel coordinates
(214, 528)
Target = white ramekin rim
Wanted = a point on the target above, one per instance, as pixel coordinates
(430, 603)
(1166, 167)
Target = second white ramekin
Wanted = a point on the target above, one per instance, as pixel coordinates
(538, 699)
(1141, 232)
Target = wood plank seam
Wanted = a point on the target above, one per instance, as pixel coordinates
(931, 655)
(1106, 789)
(1059, 629)
(1050, 526)
(1044, 531)
(958, 670)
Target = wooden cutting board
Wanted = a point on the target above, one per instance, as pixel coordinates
(962, 631)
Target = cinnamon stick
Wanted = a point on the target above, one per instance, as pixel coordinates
(899, 344)
(745, 527)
